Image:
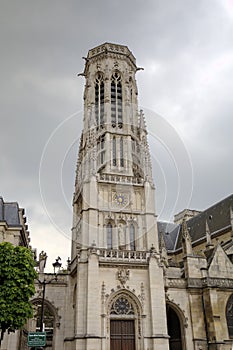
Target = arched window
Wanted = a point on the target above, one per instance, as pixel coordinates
(229, 316)
(116, 100)
(114, 151)
(121, 153)
(48, 320)
(109, 236)
(102, 151)
(99, 99)
(132, 237)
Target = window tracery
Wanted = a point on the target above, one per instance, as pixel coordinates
(114, 151)
(122, 306)
(116, 100)
(99, 99)
(121, 152)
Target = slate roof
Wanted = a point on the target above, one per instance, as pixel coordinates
(170, 232)
(217, 216)
(9, 213)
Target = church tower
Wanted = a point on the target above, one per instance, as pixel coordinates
(118, 282)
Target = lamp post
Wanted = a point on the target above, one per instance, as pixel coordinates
(56, 266)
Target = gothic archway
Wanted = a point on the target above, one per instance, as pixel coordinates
(51, 321)
(175, 326)
(124, 322)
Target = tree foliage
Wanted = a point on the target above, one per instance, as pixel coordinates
(17, 276)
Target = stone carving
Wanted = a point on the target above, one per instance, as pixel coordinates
(123, 275)
(103, 292)
(141, 297)
(121, 236)
(176, 283)
(42, 261)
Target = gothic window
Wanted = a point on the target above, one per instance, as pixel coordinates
(109, 236)
(102, 152)
(116, 100)
(132, 237)
(121, 153)
(133, 145)
(229, 316)
(99, 99)
(49, 320)
(102, 158)
(114, 151)
(122, 306)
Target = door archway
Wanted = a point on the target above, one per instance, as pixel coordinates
(174, 329)
(124, 323)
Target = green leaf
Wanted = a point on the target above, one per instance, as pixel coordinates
(17, 275)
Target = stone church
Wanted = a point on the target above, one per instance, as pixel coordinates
(133, 283)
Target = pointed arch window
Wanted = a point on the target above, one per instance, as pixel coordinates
(99, 100)
(121, 153)
(48, 318)
(114, 151)
(102, 150)
(109, 236)
(132, 236)
(116, 100)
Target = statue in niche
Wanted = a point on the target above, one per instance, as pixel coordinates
(121, 236)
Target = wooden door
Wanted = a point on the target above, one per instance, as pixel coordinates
(122, 335)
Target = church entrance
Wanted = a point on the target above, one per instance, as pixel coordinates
(122, 335)
(174, 329)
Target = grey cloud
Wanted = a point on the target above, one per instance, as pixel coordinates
(186, 50)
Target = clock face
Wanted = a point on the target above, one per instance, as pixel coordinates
(119, 199)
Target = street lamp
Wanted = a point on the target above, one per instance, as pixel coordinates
(56, 266)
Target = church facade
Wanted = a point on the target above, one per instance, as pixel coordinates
(134, 283)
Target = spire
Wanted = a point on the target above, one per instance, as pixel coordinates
(163, 250)
(186, 239)
(142, 122)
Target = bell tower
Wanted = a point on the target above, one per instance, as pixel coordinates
(115, 256)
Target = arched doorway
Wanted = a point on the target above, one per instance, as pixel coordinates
(123, 324)
(174, 329)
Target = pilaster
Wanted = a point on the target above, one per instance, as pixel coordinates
(159, 334)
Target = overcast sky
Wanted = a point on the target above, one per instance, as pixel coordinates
(186, 91)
